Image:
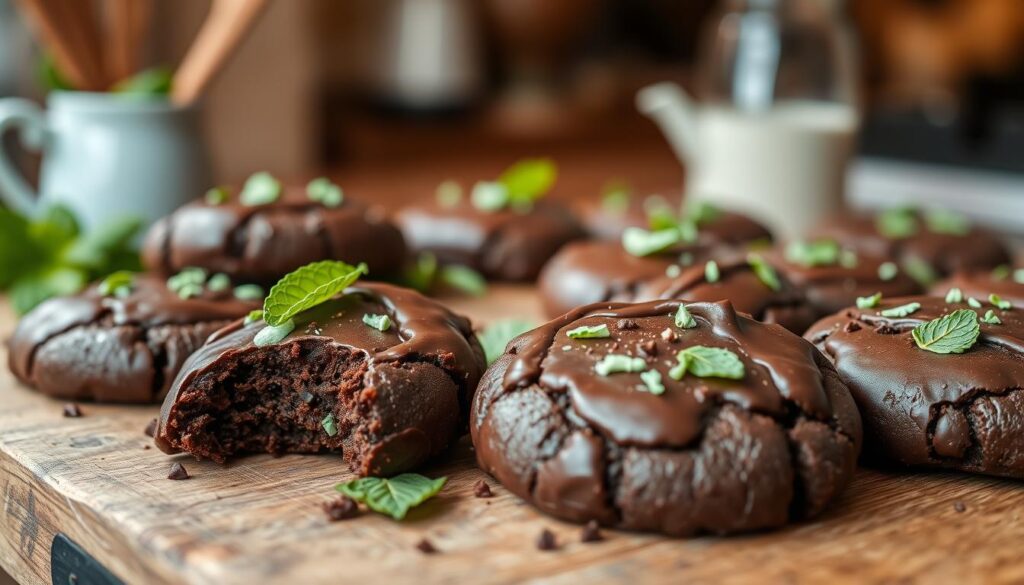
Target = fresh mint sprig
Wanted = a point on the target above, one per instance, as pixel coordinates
(953, 333)
(308, 287)
(394, 496)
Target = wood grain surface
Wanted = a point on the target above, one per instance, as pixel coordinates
(258, 519)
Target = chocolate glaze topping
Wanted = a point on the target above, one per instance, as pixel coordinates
(980, 284)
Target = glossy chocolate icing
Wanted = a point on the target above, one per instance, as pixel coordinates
(131, 361)
(961, 411)
(502, 245)
(261, 243)
(980, 284)
(579, 445)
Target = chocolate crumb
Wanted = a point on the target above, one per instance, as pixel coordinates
(649, 348)
(426, 547)
(146, 447)
(71, 410)
(151, 428)
(851, 326)
(341, 508)
(482, 490)
(307, 397)
(178, 471)
(546, 540)
(959, 506)
(626, 324)
(669, 335)
(591, 532)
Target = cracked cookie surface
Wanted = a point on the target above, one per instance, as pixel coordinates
(708, 454)
(957, 411)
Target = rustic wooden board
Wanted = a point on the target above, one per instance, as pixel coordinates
(258, 520)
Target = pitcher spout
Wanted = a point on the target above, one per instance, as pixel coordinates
(675, 114)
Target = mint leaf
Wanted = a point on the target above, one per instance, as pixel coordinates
(921, 271)
(640, 242)
(188, 278)
(887, 271)
(118, 284)
(260, 189)
(219, 282)
(589, 332)
(683, 318)
(323, 191)
(448, 193)
(869, 302)
(378, 322)
(96, 250)
(615, 197)
(973, 303)
(708, 362)
(528, 180)
(1001, 272)
(217, 196)
(31, 290)
(155, 81)
(711, 271)
(395, 496)
(955, 295)
(952, 333)
(764, 271)
(307, 287)
(1018, 276)
(816, 253)
(495, 337)
(463, 278)
(942, 221)
(703, 213)
(253, 316)
(902, 310)
(991, 318)
(897, 223)
(421, 274)
(999, 303)
(330, 425)
(19, 253)
(652, 381)
(272, 334)
(619, 363)
(488, 196)
(660, 215)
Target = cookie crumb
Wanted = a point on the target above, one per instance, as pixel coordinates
(151, 428)
(649, 348)
(307, 397)
(341, 508)
(591, 532)
(669, 335)
(71, 410)
(482, 490)
(626, 324)
(178, 471)
(426, 547)
(146, 447)
(851, 326)
(959, 506)
(546, 540)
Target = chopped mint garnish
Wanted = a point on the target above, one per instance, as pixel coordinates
(703, 213)
(641, 242)
(683, 318)
(378, 322)
(673, 270)
(187, 277)
(942, 221)
(816, 253)
(489, 196)
(973, 303)
(589, 332)
(708, 362)
(869, 302)
(464, 279)
(952, 333)
(260, 189)
(323, 191)
(1001, 272)
(307, 287)
(219, 282)
(248, 292)
(495, 337)
(272, 334)
(897, 223)
(1018, 276)
(955, 295)
(652, 381)
(712, 272)
(394, 496)
(190, 290)
(902, 310)
(528, 180)
(422, 273)
(991, 318)
(615, 198)
(921, 271)
(999, 302)
(217, 196)
(619, 363)
(253, 316)
(118, 284)
(448, 193)
(764, 271)
(887, 271)
(330, 425)
(848, 259)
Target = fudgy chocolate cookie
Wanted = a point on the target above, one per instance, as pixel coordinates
(833, 278)
(750, 282)
(959, 410)
(608, 218)
(122, 343)
(381, 374)
(1006, 283)
(646, 417)
(506, 244)
(928, 245)
(261, 239)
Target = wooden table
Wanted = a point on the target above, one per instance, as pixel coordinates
(258, 520)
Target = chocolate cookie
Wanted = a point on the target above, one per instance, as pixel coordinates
(1006, 283)
(751, 283)
(387, 395)
(750, 428)
(123, 346)
(261, 242)
(833, 278)
(928, 245)
(608, 218)
(507, 244)
(951, 410)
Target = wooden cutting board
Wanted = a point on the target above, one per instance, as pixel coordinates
(258, 520)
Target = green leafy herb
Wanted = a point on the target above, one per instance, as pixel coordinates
(324, 192)
(902, 310)
(220, 282)
(641, 242)
(652, 381)
(260, 189)
(711, 271)
(999, 302)
(253, 316)
(764, 271)
(528, 180)
(272, 334)
(897, 223)
(448, 193)
(155, 81)
(190, 290)
(378, 322)
(330, 425)
(816, 253)
(661, 215)
(616, 363)
(887, 271)
(615, 197)
(683, 318)
(869, 302)
(489, 196)
(848, 259)
(422, 273)
(952, 333)
(955, 295)
(673, 270)
(973, 303)
(1001, 272)
(217, 196)
(1018, 276)
(118, 284)
(991, 318)
(464, 279)
(248, 292)
(921, 271)
(395, 496)
(495, 337)
(942, 221)
(188, 277)
(703, 213)
(307, 287)
(708, 362)
(589, 332)
(50, 77)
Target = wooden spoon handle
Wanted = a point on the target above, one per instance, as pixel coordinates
(224, 28)
(50, 23)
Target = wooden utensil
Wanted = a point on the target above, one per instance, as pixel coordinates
(54, 23)
(83, 30)
(224, 28)
(127, 23)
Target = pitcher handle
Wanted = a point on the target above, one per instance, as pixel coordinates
(29, 120)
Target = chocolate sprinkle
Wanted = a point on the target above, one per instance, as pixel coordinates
(341, 508)
(482, 490)
(71, 410)
(426, 547)
(591, 532)
(150, 429)
(546, 540)
(178, 471)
